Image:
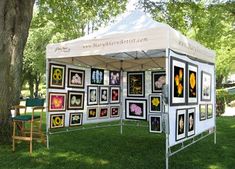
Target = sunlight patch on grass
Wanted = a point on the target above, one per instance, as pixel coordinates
(233, 126)
(214, 167)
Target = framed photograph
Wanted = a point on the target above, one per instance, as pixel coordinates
(91, 113)
(192, 85)
(209, 111)
(103, 112)
(114, 94)
(136, 109)
(57, 102)
(202, 111)
(97, 76)
(92, 95)
(155, 123)
(155, 103)
(76, 78)
(114, 77)
(57, 76)
(114, 111)
(104, 94)
(135, 84)
(158, 80)
(75, 119)
(191, 122)
(57, 120)
(205, 86)
(75, 100)
(178, 82)
(180, 124)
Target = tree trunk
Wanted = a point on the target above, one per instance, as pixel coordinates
(37, 82)
(31, 86)
(15, 18)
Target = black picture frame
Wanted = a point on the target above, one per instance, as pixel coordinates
(97, 76)
(192, 84)
(155, 103)
(202, 112)
(191, 116)
(114, 111)
(180, 128)
(57, 74)
(57, 120)
(103, 112)
(115, 94)
(206, 84)
(76, 78)
(158, 80)
(103, 95)
(136, 109)
(57, 101)
(155, 123)
(75, 119)
(75, 100)
(92, 113)
(92, 95)
(136, 84)
(209, 111)
(114, 77)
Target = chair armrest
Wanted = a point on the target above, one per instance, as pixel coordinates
(38, 107)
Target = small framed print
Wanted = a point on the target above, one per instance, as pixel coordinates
(155, 123)
(104, 94)
(136, 109)
(180, 124)
(209, 111)
(91, 113)
(205, 86)
(114, 111)
(57, 120)
(57, 102)
(76, 78)
(97, 76)
(158, 80)
(191, 122)
(114, 77)
(92, 95)
(192, 85)
(114, 94)
(202, 111)
(155, 103)
(56, 76)
(103, 112)
(75, 119)
(135, 84)
(75, 100)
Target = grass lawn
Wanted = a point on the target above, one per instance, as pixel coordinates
(105, 148)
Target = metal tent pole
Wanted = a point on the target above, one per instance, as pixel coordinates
(47, 114)
(215, 105)
(121, 99)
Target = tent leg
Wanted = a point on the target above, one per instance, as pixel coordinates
(47, 141)
(167, 153)
(215, 136)
(121, 127)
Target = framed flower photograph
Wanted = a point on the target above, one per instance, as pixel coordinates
(97, 76)
(158, 80)
(155, 103)
(136, 109)
(155, 123)
(103, 112)
(91, 113)
(75, 100)
(191, 122)
(57, 120)
(114, 111)
(192, 85)
(205, 86)
(180, 124)
(104, 94)
(135, 84)
(209, 111)
(114, 77)
(75, 119)
(57, 76)
(178, 82)
(92, 95)
(114, 94)
(76, 78)
(57, 102)
(202, 111)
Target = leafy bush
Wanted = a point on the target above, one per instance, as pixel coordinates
(221, 97)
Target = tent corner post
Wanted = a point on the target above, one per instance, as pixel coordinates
(215, 136)
(167, 152)
(47, 140)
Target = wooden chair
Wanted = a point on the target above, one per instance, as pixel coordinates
(27, 127)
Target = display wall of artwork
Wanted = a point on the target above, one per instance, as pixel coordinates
(57, 102)
(114, 111)
(158, 80)
(206, 83)
(91, 113)
(155, 103)
(92, 95)
(136, 109)
(57, 76)
(180, 124)
(114, 77)
(202, 111)
(192, 85)
(75, 119)
(75, 100)
(97, 76)
(76, 78)
(57, 120)
(135, 84)
(114, 94)
(191, 122)
(155, 123)
(103, 112)
(209, 111)
(104, 94)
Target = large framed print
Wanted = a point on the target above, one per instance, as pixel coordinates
(103, 112)
(114, 77)
(205, 86)
(75, 119)
(202, 112)
(209, 111)
(92, 95)
(136, 109)
(104, 94)
(158, 80)
(91, 113)
(57, 102)
(57, 120)
(180, 124)
(155, 123)
(97, 76)
(114, 111)
(135, 84)
(155, 103)
(192, 85)
(57, 76)
(191, 122)
(178, 82)
(75, 100)
(76, 78)
(114, 94)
